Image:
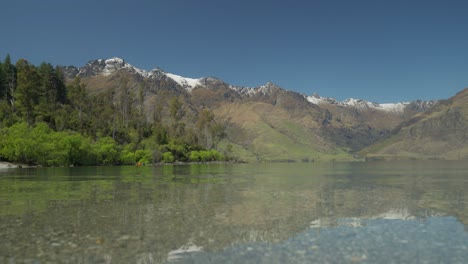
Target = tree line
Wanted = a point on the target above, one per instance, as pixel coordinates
(47, 121)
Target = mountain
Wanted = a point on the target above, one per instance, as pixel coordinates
(261, 123)
(439, 133)
(109, 66)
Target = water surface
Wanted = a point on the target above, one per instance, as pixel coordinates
(379, 212)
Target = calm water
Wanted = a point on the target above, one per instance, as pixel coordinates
(398, 212)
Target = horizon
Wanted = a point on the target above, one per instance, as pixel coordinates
(375, 51)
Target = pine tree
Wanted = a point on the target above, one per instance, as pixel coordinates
(27, 91)
(3, 88)
(52, 92)
(79, 99)
(9, 71)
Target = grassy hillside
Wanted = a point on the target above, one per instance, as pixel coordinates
(270, 133)
(441, 133)
(268, 123)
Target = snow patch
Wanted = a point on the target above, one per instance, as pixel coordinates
(359, 104)
(187, 83)
(114, 64)
(251, 91)
(317, 99)
(398, 107)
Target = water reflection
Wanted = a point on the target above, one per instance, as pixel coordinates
(191, 213)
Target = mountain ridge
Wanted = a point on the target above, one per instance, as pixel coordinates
(108, 66)
(439, 133)
(266, 122)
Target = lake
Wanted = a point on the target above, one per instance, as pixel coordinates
(374, 212)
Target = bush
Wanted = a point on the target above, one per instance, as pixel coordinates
(178, 149)
(144, 156)
(41, 145)
(205, 155)
(127, 157)
(214, 154)
(79, 150)
(194, 156)
(167, 157)
(106, 151)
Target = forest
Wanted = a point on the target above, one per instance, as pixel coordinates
(47, 121)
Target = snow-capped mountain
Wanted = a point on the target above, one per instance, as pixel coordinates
(107, 67)
(187, 83)
(250, 91)
(365, 105)
(256, 116)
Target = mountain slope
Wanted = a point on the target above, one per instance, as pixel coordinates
(261, 123)
(440, 133)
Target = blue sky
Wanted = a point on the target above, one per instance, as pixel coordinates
(382, 51)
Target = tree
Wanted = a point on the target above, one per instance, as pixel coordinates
(124, 101)
(176, 112)
(175, 109)
(27, 91)
(52, 92)
(209, 131)
(139, 116)
(78, 97)
(205, 118)
(6, 112)
(3, 86)
(10, 76)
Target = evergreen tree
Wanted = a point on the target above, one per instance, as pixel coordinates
(9, 71)
(124, 102)
(51, 93)
(6, 113)
(177, 112)
(79, 99)
(108, 126)
(61, 87)
(27, 91)
(3, 87)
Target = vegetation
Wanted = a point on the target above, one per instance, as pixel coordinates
(45, 121)
(440, 133)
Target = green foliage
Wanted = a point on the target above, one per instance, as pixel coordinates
(209, 131)
(78, 150)
(3, 86)
(41, 145)
(27, 93)
(175, 109)
(167, 157)
(205, 155)
(9, 80)
(130, 157)
(179, 149)
(144, 156)
(107, 151)
(194, 156)
(45, 122)
(51, 93)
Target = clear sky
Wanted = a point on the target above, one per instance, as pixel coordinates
(381, 51)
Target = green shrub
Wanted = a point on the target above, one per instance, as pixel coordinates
(194, 156)
(144, 156)
(205, 155)
(106, 151)
(167, 157)
(127, 157)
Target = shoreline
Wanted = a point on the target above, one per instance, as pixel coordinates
(8, 165)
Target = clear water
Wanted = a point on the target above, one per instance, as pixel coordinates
(380, 212)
